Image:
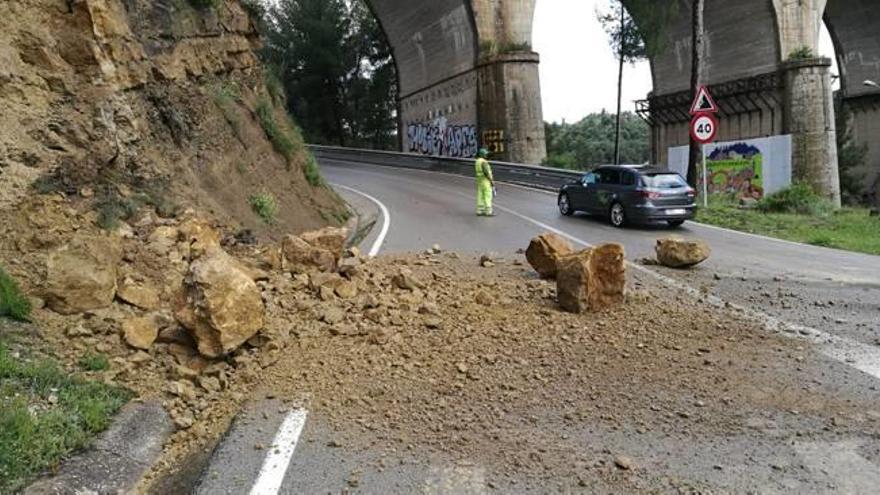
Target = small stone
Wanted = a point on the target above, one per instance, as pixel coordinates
(332, 315)
(624, 463)
(140, 333)
(433, 323)
(210, 383)
(483, 299)
(435, 249)
(347, 290)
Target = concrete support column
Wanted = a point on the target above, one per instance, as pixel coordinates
(510, 112)
(809, 118)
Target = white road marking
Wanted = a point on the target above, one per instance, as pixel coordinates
(280, 453)
(386, 219)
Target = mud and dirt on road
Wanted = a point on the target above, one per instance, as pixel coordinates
(478, 364)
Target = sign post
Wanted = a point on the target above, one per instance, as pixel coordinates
(704, 128)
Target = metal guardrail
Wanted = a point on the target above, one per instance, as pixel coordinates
(528, 175)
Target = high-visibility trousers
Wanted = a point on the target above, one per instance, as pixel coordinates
(484, 197)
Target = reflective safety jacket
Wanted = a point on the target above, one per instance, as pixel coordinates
(483, 170)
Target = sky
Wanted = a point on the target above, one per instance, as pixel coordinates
(579, 69)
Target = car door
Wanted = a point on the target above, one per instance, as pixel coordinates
(589, 191)
(579, 194)
(606, 190)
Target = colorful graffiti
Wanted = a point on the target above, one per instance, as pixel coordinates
(439, 139)
(736, 169)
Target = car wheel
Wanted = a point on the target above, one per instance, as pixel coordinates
(617, 215)
(675, 223)
(565, 205)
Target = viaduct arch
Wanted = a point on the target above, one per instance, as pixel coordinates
(469, 78)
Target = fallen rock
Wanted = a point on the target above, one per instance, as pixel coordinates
(346, 290)
(624, 463)
(140, 333)
(199, 236)
(298, 255)
(675, 252)
(592, 280)
(330, 239)
(405, 280)
(139, 295)
(544, 252)
(81, 275)
(221, 306)
(483, 298)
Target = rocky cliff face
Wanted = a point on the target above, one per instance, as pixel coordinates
(104, 100)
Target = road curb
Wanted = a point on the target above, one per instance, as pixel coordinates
(118, 459)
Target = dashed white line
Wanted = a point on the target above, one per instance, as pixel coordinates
(280, 453)
(386, 219)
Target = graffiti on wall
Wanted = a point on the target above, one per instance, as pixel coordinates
(736, 169)
(437, 138)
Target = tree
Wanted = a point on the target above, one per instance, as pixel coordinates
(590, 142)
(627, 41)
(337, 70)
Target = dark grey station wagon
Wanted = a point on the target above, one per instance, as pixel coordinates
(630, 195)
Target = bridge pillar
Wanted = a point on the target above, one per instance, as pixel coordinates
(510, 111)
(809, 118)
(510, 114)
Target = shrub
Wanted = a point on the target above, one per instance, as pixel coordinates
(94, 362)
(800, 198)
(281, 141)
(802, 53)
(312, 172)
(264, 206)
(13, 303)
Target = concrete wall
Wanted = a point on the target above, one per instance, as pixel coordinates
(855, 27)
(738, 44)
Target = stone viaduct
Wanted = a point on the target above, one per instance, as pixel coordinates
(469, 78)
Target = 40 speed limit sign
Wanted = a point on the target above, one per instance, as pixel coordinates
(704, 127)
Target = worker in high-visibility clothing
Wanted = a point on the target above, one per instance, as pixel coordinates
(485, 184)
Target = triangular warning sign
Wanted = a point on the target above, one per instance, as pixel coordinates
(703, 103)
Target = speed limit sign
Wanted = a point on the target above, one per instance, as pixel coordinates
(704, 127)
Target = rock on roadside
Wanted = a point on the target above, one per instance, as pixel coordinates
(592, 280)
(544, 252)
(321, 249)
(81, 275)
(221, 305)
(140, 333)
(675, 252)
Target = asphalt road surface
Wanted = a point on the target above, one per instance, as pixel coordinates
(828, 298)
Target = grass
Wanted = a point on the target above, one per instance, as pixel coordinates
(281, 140)
(113, 208)
(94, 362)
(13, 303)
(45, 414)
(265, 207)
(286, 140)
(851, 229)
(227, 97)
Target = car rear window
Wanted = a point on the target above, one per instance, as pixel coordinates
(664, 181)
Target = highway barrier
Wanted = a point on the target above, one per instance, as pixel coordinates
(550, 179)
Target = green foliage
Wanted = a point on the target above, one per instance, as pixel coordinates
(802, 53)
(590, 142)
(312, 172)
(227, 98)
(13, 303)
(852, 159)
(645, 27)
(851, 229)
(36, 432)
(800, 199)
(94, 362)
(336, 68)
(113, 208)
(281, 141)
(624, 35)
(265, 207)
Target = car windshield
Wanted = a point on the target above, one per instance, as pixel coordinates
(664, 181)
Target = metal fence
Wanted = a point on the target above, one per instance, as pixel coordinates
(527, 175)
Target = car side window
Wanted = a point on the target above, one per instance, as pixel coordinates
(588, 179)
(609, 177)
(629, 179)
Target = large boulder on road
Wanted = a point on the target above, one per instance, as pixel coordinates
(592, 280)
(221, 305)
(81, 275)
(544, 252)
(675, 252)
